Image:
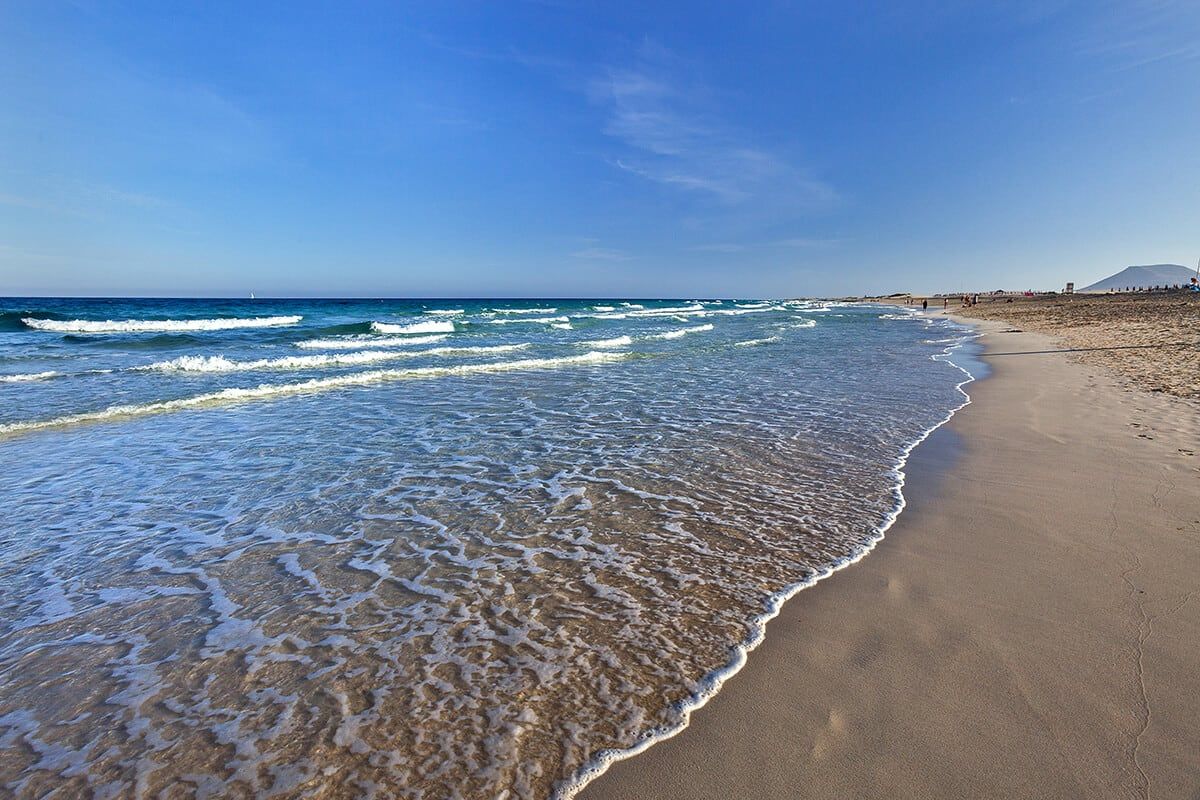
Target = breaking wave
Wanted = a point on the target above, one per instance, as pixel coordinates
(675, 334)
(350, 343)
(155, 325)
(535, 320)
(619, 341)
(415, 327)
(23, 377)
(272, 390)
(223, 364)
(639, 311)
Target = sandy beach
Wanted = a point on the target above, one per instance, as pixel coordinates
(1150, 340)
(558, 400)
(1028, 628)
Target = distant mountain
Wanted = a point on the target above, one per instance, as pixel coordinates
(1144, 277)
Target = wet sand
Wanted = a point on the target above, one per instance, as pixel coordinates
(1029, 627)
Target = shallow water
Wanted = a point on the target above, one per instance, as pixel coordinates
(379, 549)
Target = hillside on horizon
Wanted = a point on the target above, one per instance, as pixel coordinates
(1142, 277)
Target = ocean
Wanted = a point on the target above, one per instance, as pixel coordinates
(421, 549)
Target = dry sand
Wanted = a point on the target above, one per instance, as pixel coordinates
(1151, 340)
(1029, 627)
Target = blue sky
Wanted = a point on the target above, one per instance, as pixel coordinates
(594, 149)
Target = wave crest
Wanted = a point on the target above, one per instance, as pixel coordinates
(23, 377)
(535, 320)
(367, 341)
(271, 390)
(156, 325)
(619, 341)
(223, 364)
(675, 334)
(415, 327)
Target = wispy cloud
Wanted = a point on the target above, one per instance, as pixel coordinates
(508, 55)
(666, 128)
(672, 133)
(1136, 34)
(718, 247)
(802, 241)
(21, 201)
(77, 197)
(739, 247)
(450, 117)
(19, 255)
(601, 254)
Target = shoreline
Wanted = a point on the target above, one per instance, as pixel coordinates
(837, 700)
(716, 680)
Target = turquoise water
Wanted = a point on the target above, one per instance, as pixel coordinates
(444, 548)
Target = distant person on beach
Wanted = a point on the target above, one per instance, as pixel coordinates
(924, 305)
(945, 303)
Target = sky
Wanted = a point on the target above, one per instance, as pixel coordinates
(593, 149)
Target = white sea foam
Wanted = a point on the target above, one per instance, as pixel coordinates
(675, 334)
(23, 377)
(715, 680)
(619, 341)
(562, 326)
(415, 327)
(740, 311)
(465, 349)
(604, 308)
(272, 390)
(647, 313)
(665, 311)
(156, 325)
(755, 342)
(804, 323)
(632, 305)
(445, 312)
(533, 320)
(351, 342)
(223, 364)
(603, 315)
(525, 310)
(752, 305)
(694, 310)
